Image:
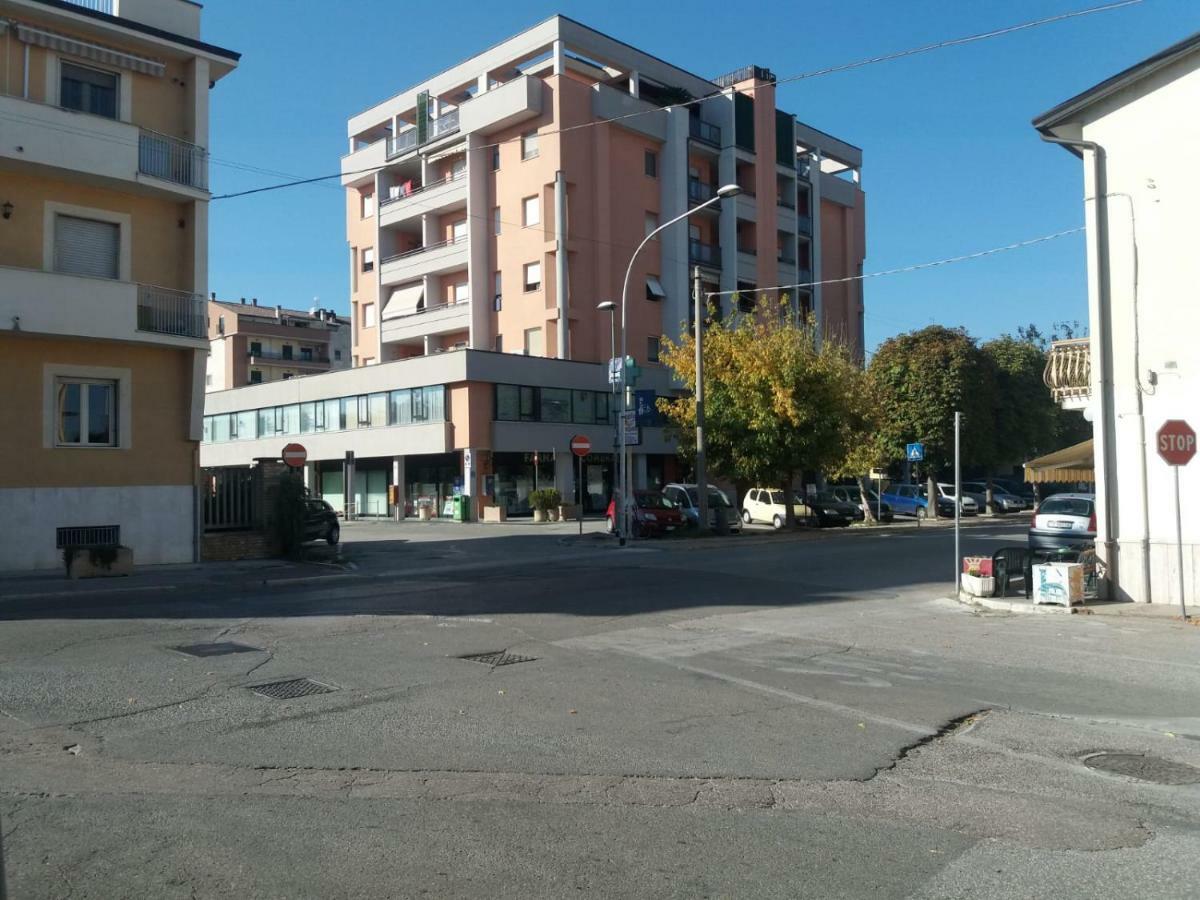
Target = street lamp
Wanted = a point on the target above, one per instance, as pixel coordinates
(611, 308)
(729, 190)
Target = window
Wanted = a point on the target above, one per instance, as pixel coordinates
(306, 354)
(529, 145)
(497, 293)
(86, 413)
(495, 220)
(496, 159)
(287, 351)
(458, 168)
(531, 211)
(87, 247)
(220, 325)
(246, 426)
(651, 163)
(288, 418)
(533, 276)
(533, 342)
(308, 417)
(337, 354)
(208, 381)
(556, 405)
(654, 288)
(287, 376)
(368, 259)
(462, 292)
(255, 376)
(498, 345)
(88, 90)
(652, 347)
(651, 223)
(368, 205)
(458, 231)
(256, 348)
(377, 407)
(368, 315)
(584, 407)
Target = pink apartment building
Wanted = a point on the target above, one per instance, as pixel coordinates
(490, 209)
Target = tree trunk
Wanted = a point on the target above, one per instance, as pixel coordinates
(868, 509)
(931, 491)
(789, 518)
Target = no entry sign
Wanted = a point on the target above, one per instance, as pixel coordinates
(1176, 442)
(295, 455)
(581, 445)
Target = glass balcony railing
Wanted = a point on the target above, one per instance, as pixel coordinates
(699, 191)
(703, 131)
(804, 224)
(444, 124)
(402, 142)
(704, 254)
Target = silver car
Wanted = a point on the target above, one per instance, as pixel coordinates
(1005, 502)
(1063, 521)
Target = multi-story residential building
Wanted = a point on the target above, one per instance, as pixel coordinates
(252, 344)
(493, 206)
(1137, 137)
(104, 113)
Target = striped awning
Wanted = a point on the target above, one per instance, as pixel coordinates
(1076, 463)
(85, 50)
(404, 301)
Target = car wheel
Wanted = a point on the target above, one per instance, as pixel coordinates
(609, 525)
(333, 535)
(746, 516)
(921, 512)
(777, 522)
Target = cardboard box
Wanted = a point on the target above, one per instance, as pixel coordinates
(1058, 583)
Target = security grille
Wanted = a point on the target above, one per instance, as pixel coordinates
(496, 658)
(291, 689)
(88, 536)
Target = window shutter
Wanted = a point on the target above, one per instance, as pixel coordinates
(86, 247)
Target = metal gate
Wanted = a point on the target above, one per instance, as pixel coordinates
(230, 499)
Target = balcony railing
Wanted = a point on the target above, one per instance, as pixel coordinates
(417, 250)
(164, 311)
(704, 254)
(401, 143)
(425, 187)
(276, 355)
(804, 224)
(436, 307)
(699, 191)
(446, 123)
(103, 6)
(785, 201)
(804, 276)
(702, 131)
(1069, 370)
(171, 159)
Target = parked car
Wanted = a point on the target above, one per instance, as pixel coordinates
(852, 494)
(911, 500)
(652, 514)
(687, 498)
(321, 522)
(767, 505)
(1005, 501)
(969, 506)
(1063, 521)
(823, 509)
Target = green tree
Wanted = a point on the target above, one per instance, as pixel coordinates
(776, 404)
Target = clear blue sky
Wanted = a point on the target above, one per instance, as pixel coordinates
(951, 164)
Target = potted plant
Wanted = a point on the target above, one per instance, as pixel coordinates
(543, 501)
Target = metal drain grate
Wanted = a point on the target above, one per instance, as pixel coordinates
(1144, 768)
(497, 658)
(216, 649)
(291, 689)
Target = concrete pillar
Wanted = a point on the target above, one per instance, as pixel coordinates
(639, 471)
(818, 300)
(635, 84)
(564, 475)
(428, 340)
(311, 481)
(560, 58)
(398, 480)
(481, 85)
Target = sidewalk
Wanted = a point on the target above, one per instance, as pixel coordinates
(1020, 604)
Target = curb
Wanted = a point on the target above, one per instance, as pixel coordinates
(1019, 606)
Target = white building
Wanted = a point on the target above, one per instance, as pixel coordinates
(1139, 137)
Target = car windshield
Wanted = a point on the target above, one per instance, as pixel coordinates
(776, 497)
(715, 498)
(653, 500)
(1066, 506)
(826, 497)
(852, 494)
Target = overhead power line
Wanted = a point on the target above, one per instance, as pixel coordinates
(816, 73)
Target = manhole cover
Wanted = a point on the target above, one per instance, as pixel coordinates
(217, 649)
(498, 658)
(1144, 768)
(291, 689)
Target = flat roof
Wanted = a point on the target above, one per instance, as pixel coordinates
(150, 30)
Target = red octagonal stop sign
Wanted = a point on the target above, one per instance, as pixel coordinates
(1176, 442)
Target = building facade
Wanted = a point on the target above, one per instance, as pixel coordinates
(104, 111)
(1138, 139)
(252, 344)
(491, 208)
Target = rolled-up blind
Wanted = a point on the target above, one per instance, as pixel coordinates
(87, 247)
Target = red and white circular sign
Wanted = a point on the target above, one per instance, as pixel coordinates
(295, 455)
(1176, 442)
(581, 445)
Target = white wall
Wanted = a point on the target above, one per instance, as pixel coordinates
(1152, 146)
(156, 521)
(215, 366)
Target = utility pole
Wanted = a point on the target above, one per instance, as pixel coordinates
(701, 473)
(957, 504)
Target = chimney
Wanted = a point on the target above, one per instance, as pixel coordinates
(213, 296)
(243, 301)
(254, 301)
(278, 311)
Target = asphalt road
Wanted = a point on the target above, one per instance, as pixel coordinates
(795, 716)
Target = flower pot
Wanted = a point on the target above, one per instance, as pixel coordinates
(539, 515)
(553, 512)
(99, 562)
(979, 585)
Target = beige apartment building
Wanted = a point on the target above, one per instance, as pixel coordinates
(252, 344)
(490, 209)
(104, 119)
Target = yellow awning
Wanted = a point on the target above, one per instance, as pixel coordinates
(1077, 463)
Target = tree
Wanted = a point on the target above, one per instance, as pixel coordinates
(922, 378)
(776, 404)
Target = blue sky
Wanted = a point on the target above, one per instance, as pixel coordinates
(951, 164)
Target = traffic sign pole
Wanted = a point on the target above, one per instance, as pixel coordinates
(1179, 544)
(1177, 446)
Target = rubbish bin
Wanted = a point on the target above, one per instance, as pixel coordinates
(462, 508)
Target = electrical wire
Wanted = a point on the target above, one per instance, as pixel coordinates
(816, 73)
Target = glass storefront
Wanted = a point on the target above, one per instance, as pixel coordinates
(516, 474)
(430, 480)
(599, 476)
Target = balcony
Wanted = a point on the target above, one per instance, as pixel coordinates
(164, 311)
(101, 6)
(441, 319)
(448, 193)
(168, 158)
(704, 132)
(432, 259)
(1069, 372)
(703, 254)
(276, 358)
(699, 191)
(402, 142)
(445, 124)
(804, 224)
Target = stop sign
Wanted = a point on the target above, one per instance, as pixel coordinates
(295, 455)
(1176, 442)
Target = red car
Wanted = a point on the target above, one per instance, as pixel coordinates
(653, 514)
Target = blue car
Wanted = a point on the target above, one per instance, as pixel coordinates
(911, 500)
